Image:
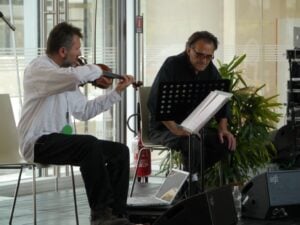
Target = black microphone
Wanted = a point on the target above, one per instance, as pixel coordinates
(7, 22)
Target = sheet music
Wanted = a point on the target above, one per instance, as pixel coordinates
(205, 111)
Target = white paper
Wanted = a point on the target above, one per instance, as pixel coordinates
(205, 111)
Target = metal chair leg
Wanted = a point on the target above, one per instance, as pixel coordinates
(74, 195)
(171, 160)
(136, 168)
(56, 173)
(15, 196)
(34, 194)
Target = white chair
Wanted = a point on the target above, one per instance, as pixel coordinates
(144, 116)
(10, 158)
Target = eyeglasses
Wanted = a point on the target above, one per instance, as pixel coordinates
(201, 55)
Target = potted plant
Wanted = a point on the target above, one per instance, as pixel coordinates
(253, 116)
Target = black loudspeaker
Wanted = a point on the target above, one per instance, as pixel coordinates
(288, 152)
(272, 195)
(214, 207)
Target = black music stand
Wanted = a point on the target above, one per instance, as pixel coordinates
(176, 100)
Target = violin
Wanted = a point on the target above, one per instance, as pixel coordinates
(107, 72)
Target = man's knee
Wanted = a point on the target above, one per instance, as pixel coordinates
(124, 150)
(120, 151)
(89, 139)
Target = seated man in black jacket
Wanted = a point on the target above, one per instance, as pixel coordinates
(194, 64)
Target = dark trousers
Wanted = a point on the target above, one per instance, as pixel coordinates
(104, 166)
(213, 149)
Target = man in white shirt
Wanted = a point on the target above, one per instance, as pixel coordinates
(51, 96)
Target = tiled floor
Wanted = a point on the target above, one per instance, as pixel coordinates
(56, 208)
(53, 208)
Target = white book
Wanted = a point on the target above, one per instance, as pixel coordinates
(205, 111)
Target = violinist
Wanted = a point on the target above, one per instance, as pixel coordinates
(51, 96)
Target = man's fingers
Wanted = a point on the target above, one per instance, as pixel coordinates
(231, 143)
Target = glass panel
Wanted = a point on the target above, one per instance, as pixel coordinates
(81, 14)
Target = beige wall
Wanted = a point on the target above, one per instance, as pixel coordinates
(169, 23)
(259, 28)
(264, 33)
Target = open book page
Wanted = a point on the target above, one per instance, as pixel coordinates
(205, 102)
(205, 111)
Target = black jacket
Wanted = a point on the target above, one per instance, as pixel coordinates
(178, 68)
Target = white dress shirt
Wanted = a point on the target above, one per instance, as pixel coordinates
(50, 94)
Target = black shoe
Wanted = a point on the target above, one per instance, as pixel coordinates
(104, 214)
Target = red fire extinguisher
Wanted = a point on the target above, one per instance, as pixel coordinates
(144, 166)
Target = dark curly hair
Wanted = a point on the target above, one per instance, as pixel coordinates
(61, 36)
(202, 35)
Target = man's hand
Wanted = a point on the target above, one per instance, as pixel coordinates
(224, 133)
(124, 83)
(175, 129)
(179, 131)
(103, 82)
